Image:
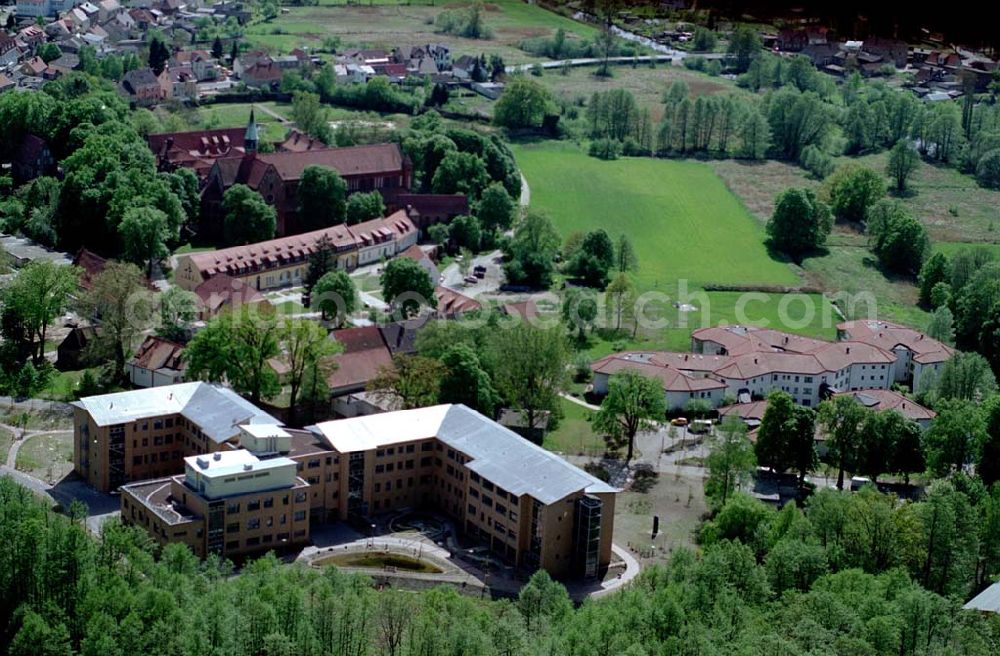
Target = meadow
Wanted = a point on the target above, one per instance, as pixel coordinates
(688, 230)
(683, 222)
(387, 24)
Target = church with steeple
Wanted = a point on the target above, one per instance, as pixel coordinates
(225, 157)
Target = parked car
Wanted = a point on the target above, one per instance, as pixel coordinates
(480, 274)
(679, 421)
(472, 280)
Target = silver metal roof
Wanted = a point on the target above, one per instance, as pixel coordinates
(218, 411)
(987, 601)
(498, 454)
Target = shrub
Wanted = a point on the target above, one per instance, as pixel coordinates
(605, 149)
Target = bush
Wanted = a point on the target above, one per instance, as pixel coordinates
(816, 162)
(988, 169)
(607, 149)
(694, 63)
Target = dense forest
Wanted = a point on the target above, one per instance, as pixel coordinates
(841, 578)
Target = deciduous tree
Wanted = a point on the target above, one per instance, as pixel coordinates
(634, 403)
(407, 285)
(731, 461)
(322, 198)
(248, 218)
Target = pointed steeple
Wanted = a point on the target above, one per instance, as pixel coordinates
(252, 138)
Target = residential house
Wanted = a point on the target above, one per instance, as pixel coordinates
(31, 36)
(32, 159)
(452, 304)
(183, 84)
(42, 8)
(400, 337)
(108, 9)
(6, 84)
(9, 52)
(419, 256)
(33, 67)
(91, 265)
(70, 352)
(142, 88)
(363, 356)
(223, 293)
(262, 75)
(247, 59)
(158, 362)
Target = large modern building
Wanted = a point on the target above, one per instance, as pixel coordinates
(252, 485)
(143, 434)
(744, 363)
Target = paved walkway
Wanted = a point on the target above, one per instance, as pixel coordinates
(572, 399)
(273, 114)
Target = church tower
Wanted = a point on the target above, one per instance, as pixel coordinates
(252, 138)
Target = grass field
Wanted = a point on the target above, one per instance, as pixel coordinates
(388, 24)
(956, 211)
(950, 204)
(682, 221)
(646, 84)
(48, 457)
(688, 231)
(574, 434)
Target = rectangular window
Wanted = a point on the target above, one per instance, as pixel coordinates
(253, 523)
(410, 448)
(269, 502)
(425, 461)
(232, 544)
(389, 467)
(253, 505)
(300, 497)
(473, 493)
(409, 464)
(299, 515)
(253, 542)
(233, 508)
(379, 453)
(379, 469)
(427, 446)
(233, 527)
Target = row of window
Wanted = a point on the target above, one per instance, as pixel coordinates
(233, 545)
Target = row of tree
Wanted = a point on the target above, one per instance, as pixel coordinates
(816, 585)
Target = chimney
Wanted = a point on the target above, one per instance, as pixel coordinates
(248, 466)
(217, 455)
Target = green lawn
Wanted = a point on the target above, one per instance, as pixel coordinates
(6, 439)
(688, 230)
(683, 222)
(62, 386)
(48, 457)
(574, 435)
